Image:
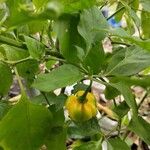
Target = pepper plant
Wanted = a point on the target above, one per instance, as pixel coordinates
(48, 45)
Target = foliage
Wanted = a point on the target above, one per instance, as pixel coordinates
(52, 44)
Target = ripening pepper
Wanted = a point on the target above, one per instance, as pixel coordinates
(81, 110)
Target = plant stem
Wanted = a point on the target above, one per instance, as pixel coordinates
(114, 101)
(100, 81)
(19, 81)
(83, 97)
(125, 135)
(121, 43)
(119, 127)
(49, 35)
(18, 61)
(55, 58)
(45, 98)
(120, 9)
(142, 100)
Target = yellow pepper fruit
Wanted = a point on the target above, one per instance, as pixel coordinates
(81, 110)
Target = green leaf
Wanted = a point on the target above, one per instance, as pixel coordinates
(27, 70)
(122, 109)
(128, 61)
(94, 59)
(139, 126)
(92, 26)
(56, 139)
(36, 48)
(58, 78)
(111, 92)
(117, 144)
(127, 94)
(80, 130)
(25, 126)
(69, 38)
(5, 78)
(13, 53)
(93, 145)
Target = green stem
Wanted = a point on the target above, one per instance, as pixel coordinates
(142, 100)
(83, 97)
(101, 82)
(53, 53)
(119, 127)
(55, 58)
(19, 81)
(17, 62)
(49, 35)
(120, 9)
(6, 40)
(121, 43)
(45, 98)
(125, 135)
(114, 101)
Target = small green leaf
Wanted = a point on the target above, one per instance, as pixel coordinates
(69, 38)
(128, 61)
(25, 126)
(141, 127)
(5, 78)
(80, 130)
(27, 70)
(36, 48)
(117, 144)
(92, 26)
(111, 92)
(122, 109)
(58, 78)
(94, 59)
(13, 53)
